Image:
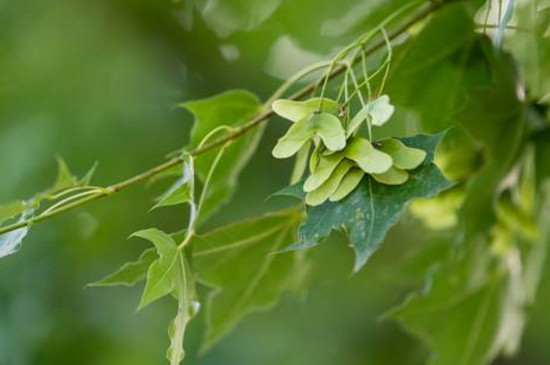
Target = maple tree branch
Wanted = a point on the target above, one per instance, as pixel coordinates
(237, 132)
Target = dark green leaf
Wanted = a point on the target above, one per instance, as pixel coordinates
(373, 208)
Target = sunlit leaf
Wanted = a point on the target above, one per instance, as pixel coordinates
(226, 18)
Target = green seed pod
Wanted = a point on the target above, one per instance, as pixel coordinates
(323, 192)
(296, 136)
(325, 167)
(368, 158)
(348, 184)
(314, 160)
(297, 110)
(393, 176)
(324, 125)
(329, 128)
(379, 111)
(405, 158)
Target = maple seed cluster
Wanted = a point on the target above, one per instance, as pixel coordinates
(341, 158)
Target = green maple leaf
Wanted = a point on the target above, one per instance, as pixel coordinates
(241, 262)
(373, 208)
(130, 273)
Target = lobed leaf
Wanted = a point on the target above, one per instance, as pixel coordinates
(373, 208)
(241, 262)
(130, 273)
(162, 273)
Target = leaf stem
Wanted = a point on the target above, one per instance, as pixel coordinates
(236, 133)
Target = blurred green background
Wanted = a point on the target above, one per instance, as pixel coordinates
(100, 81)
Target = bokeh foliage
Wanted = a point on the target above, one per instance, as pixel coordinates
(101, 82)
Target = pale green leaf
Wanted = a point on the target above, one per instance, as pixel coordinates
(241, 261)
